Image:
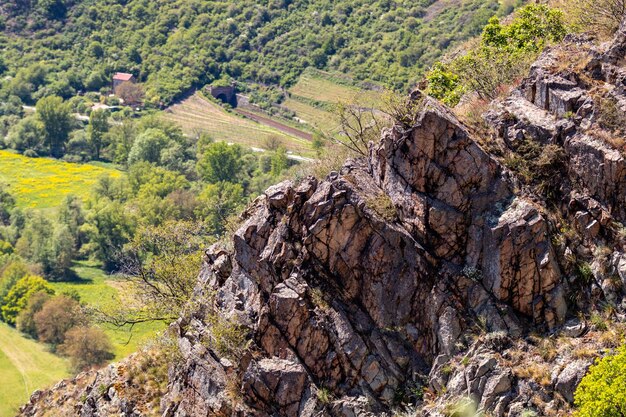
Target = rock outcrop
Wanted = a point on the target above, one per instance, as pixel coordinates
(420, 271)
(352, 286)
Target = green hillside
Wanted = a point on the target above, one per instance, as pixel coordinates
(176, 45)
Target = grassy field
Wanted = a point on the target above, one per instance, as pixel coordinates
(197, 114)
(316, 92)
(100, 290)
(314, 116)
(318, 85)
(43, 182)
(25, 366)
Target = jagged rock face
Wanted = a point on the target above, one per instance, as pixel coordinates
(397, 293)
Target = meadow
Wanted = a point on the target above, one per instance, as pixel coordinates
(102, 291)
(43, 182)
(25, 366)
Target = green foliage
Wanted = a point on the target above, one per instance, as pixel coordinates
(7, 205)
(47, 244)
(596, 16)
(162, 263)
(98, 127)
(174, 44)
(56, 118)
(602, 392)
(444, 84)
(148, 146)
(17, 298)
(27, 135)
(121, 137)
(220, 162)
(218, 202)
(503, 54)
(534, 26)
(109, 228)
(13, 272)
(279, 161)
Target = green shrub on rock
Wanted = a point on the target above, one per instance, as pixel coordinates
(602, 392)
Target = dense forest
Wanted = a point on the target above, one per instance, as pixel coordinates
(64, 46)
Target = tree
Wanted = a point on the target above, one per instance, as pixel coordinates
(130, 92)
(86, 347)
(279, 161)
(47, 244)
(602, 392)
(71, 214)
(57, 123)
(27, 134)
(359, 125)
(505, 52)
(57, 316)
(12, 272)
(25, 322)
(121, 137)
(18, 296)
(220, 162)
(162, 265)
(218, 202)
(7, 204)
(97, 129)
(55, 9)
(148, 147)
(603, 16)
(110, 228)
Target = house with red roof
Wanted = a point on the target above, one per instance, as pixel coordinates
(122, 77)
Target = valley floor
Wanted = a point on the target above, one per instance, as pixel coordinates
(25, 366)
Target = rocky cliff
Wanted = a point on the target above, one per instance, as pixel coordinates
(431, 271)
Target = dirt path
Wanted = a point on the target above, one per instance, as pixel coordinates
(276, 125)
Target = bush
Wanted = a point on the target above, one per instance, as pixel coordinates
(25, 322)
(596, 16)
(18, 296)
(602, 392)
(86, 347)
(56, 317)
(505, 53)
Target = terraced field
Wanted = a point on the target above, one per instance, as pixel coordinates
(43, 182)
(197, 114)
(319, 86)
(317, 91)
(314, 116)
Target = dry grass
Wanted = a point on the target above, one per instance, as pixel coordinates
(538, 372)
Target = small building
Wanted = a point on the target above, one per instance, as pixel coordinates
(122, 77)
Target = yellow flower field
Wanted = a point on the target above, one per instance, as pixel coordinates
(44, 182)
